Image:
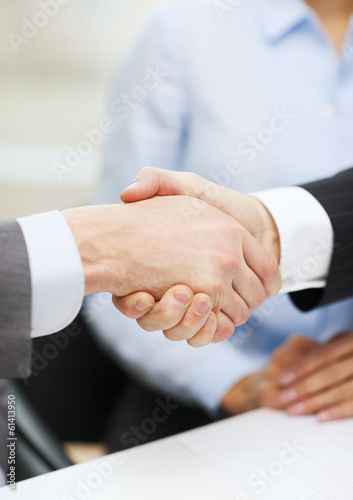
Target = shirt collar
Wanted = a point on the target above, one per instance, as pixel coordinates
(280, 17)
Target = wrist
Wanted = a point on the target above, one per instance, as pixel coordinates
(93, 235)
(266, 231)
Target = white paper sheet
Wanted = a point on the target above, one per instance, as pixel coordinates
(272, 456)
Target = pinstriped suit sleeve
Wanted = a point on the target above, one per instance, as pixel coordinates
(336, 196)
(15, 303)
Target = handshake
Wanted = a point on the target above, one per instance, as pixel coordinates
(181, 254)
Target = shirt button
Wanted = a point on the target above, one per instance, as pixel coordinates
(328, 109)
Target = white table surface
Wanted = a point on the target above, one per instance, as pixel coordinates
(302, 459)
(163, 470)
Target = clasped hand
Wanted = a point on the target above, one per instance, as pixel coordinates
(219, 272)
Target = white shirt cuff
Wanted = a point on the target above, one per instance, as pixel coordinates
(57, 276)
(306, 236)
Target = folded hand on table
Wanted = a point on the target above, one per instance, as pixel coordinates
(322, 382)
(263, 388)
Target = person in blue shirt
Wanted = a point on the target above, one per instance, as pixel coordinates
(252, 96)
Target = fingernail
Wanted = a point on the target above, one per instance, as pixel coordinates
(209, 320)
(297, 409)
(201, 307)
(181, 299)
(142, 306)
(324, 416)
(288, 378)
(289, 395)
(131, 186)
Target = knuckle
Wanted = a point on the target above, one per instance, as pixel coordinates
(235, 230)
(217, 290)
(264, 396)
(146, 171)
(297, 338)
(296, 341)
(227, 255)
(261, 297)
(271, 266)
(305, 387)
(173, 335)
(301, 389)
(234, 263)
(311, 405)
(182, 288)
(197, 342)
(334, 372)
(203, 297)
(270, 276)
(146, 325)
(242, 316)
(170, 317)
(343, 390)
(273, 371)
(120, 304)
(223, 333)
(188, 326)
(192, 177)
(278, 353)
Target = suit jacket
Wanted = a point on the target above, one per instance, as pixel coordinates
(336, 196)
(15, 302)
(15, 315)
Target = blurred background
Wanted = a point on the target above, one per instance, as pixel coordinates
(56, 57)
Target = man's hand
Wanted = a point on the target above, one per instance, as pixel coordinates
(179, 313)
(322, 382)
(249, 211)
(158, 243)
(263, 389)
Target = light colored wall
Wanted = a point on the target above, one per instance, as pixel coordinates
(53, 89)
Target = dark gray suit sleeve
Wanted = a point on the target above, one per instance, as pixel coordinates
(336, 196)
(15, 303)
